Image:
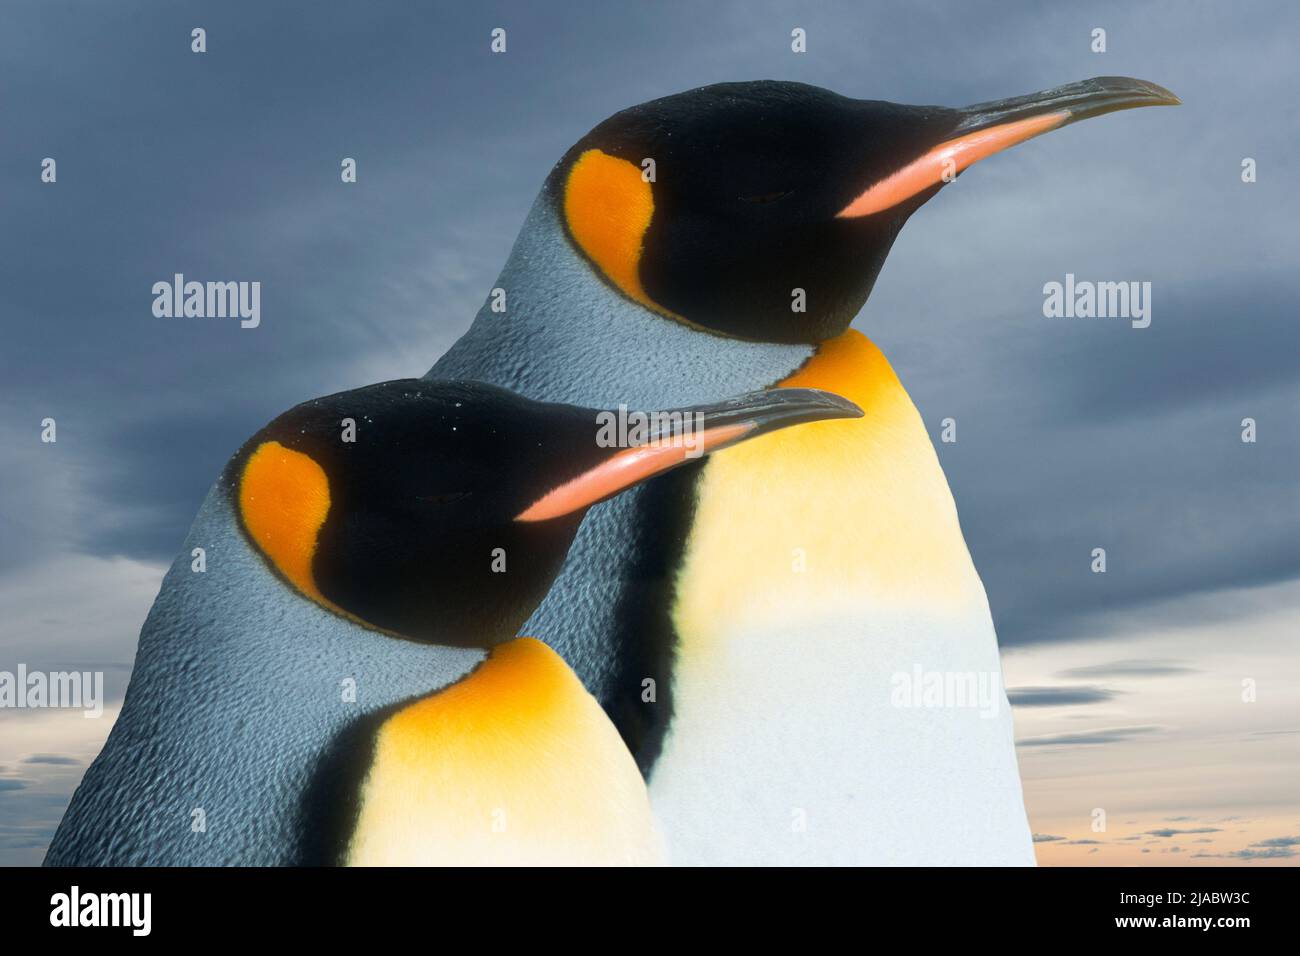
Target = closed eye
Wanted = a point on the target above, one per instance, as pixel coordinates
(767, 197)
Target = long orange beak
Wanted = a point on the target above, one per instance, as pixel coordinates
(988, 128)
(675, 437)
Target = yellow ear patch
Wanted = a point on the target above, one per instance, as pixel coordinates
(608, 207)
(284, 497)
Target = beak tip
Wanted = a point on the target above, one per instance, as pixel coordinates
(837, 405)
(1073, 102)
(1127, 92)
(850, 409)
(1159, 95)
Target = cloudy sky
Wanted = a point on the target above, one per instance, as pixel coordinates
(1072, 434)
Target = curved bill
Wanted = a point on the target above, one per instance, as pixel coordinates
(674, 437)
(988, 128)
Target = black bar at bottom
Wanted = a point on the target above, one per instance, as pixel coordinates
(1147, 905)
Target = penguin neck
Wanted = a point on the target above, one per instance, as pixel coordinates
(566, 335)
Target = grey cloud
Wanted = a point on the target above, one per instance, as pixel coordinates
(1273, 853)
(53, 759)
(1108, 735)
(30, 818)
(1148, 376)
(1279, 841)
(1166, 832)
(1046, 838)
(1057, 696)
(1131, 668)
(24, 837)
(1147, 485)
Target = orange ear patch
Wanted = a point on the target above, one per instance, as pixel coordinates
(284, 497)
(608, 207)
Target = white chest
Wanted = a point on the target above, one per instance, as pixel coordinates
(857, 738)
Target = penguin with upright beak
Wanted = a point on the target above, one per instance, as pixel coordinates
(341, 682)
(827, 672)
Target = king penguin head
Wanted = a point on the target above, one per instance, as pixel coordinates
(441, 511)
(718, 206)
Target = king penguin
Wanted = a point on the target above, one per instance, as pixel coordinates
(713, 242)
(342, 683)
